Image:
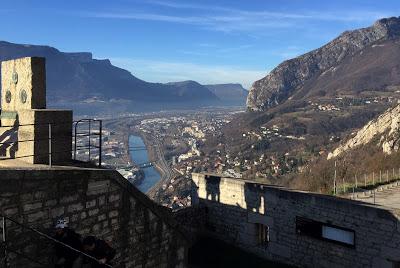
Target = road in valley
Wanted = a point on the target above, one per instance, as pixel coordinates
(157, 155)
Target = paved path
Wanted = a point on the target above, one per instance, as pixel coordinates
(386, 195)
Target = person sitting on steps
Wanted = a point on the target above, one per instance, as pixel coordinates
(98, 249)
(66, 257)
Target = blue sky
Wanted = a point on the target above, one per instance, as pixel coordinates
(217, 41)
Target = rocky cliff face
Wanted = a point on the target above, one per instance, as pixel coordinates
(295, 74)
(385, 129)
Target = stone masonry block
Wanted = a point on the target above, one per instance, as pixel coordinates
(32, 206)
(24, 74)
(57, 212)
(75, 207)
(93, 212)
(98, 187)
(113, 197)
(36, 216)
(113, 213)
(69, 198)
(90, 204)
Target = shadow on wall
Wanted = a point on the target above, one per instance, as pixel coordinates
(253, 193)
(286, 225)
(9, 139)
(254, 197)
(213, 187)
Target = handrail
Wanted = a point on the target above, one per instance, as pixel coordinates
(89, 136)
(46, 237)
(83, 135)
(45, 124)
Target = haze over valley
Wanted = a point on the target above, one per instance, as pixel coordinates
(95, 86)
(166, 133)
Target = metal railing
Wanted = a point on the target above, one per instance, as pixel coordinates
(365, 181)
(23, 256)
(376, 196)
(89, 146)
(81, 140)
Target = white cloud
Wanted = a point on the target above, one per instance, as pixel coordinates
(232, 20)
(219, 23)
(165, 71)
(341, 15)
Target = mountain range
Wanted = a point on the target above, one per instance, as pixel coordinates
(383, 132)
(356, 61)
(78, 80)
(231, 93)
(331, 99)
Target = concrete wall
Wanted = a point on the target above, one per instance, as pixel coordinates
(235, 207)
(96, 202)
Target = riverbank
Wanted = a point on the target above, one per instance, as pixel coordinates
(156, 156)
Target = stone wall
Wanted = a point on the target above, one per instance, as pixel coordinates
(23, 104)
(95, 202)
(33, 136)
(192, 221)
(237, 207)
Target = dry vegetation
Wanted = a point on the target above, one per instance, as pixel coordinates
(318, 176)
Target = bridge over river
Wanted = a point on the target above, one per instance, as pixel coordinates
(139, 155)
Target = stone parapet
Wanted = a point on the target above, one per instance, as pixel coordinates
(238, 209)
(95, 202)
(23, 101)
(33, 136)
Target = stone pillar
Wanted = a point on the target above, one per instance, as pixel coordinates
(23, 99)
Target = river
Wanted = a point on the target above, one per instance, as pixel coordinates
(151, 175)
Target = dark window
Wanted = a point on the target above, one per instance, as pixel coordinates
(262, 234)
(395, 264)
(325, 231)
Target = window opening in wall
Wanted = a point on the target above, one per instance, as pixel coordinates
(263, 234)
(325, 231)
(395, 264)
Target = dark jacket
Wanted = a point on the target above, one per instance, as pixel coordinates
(72, 239)
(102, 250)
